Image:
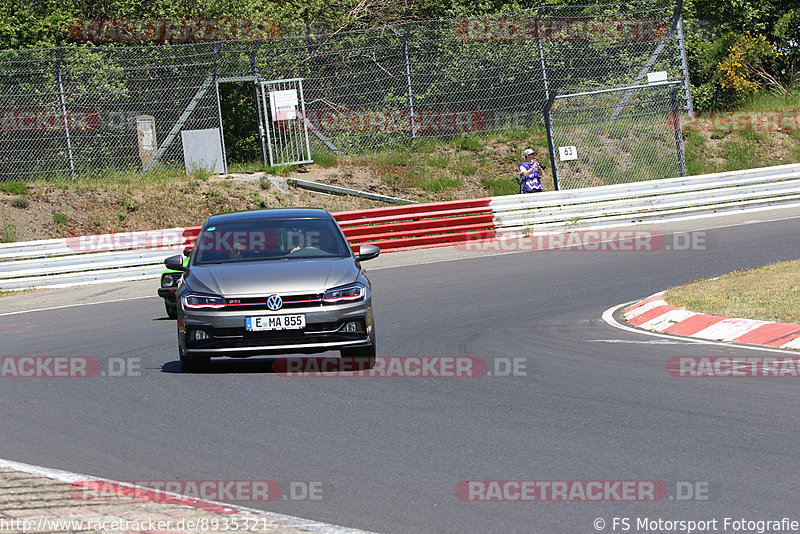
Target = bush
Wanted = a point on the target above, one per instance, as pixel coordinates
(14, 188)
(8, 233)
(20, 202)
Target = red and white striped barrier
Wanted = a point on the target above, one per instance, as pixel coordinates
(654, 314)
(135, 255)
(412, 226)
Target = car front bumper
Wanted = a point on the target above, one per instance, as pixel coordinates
(227, 336)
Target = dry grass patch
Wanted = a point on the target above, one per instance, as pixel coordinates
(770, 293)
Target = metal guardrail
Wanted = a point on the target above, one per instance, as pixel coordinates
(675, 198)
(335, 190)
(137, 255)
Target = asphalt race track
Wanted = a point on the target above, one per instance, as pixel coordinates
(596, 403)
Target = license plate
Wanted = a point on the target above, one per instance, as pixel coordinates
(275, 322)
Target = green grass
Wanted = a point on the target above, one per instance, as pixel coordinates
(441, 161)
(8, 233)
(604, 167)
(438, 183)
(425, 145)
(325, 159)
(516, 135)
(128, 203)
(501, 186)
(279, 170)
(466, 167)
(257, 201)
(766, 101)
(201, 173)
(740, 155)
(162, 175)
(60, 219)
(258, 166)
(697, 161)
(214, 196)
(245, 166)
(14, 188)
(392, 157)
(467, 142)
(20, 202)
(751, 135)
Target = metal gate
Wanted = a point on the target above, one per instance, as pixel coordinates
(619, 135)
(284, 112)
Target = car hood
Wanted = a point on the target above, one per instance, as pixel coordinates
(275, 276)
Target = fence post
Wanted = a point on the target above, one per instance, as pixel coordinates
(676, 128)
(63, 104)
(548, 128)
(685, 68)
(541, 56)
(408, 81)
(259, 117)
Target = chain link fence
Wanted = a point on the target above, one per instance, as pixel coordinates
(73, 111)
(617, 135)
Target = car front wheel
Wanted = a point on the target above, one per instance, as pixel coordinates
(194, 364)
(368, 352)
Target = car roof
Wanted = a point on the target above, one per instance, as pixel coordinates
(276, 213)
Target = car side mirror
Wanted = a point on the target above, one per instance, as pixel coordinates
(175, 263)
(187, 251)
(367, 252)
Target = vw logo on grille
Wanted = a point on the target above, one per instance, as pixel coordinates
(274, 302)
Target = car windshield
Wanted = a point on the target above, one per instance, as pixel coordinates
(269, 239)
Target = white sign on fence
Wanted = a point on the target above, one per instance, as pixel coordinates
(567, 153)
(283, 104)
(658, 76)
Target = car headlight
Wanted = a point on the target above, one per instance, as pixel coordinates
(348, 293)
(169, 280)
(195, 301)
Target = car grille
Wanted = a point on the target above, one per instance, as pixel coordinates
(289, 301)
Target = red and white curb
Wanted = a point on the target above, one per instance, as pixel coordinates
(654, 314)
(268, 519)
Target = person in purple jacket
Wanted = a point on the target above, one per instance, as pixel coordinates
(530, 173)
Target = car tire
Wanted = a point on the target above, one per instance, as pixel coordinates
(172, 311)
(194, 364)
(367, 352)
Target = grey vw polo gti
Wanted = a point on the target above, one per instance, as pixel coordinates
(273, 282)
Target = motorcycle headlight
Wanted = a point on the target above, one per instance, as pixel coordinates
(349, 293)
(195, 301)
